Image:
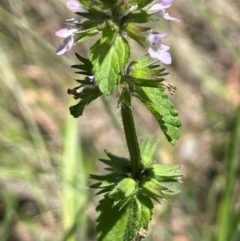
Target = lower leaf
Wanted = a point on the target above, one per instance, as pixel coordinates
(124, 224)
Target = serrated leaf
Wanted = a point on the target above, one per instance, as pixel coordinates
(109, 59)
(157, 102)
(87, 96)
(147, 150)
(123, 224)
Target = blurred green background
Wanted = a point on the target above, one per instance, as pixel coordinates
(46, 155)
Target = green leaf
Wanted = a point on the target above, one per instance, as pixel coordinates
(123, 224)
(157, 102)
(87, 96)
(109, 60)
(147, 150)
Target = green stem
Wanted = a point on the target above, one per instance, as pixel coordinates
(131, 138)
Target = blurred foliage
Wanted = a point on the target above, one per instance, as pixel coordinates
(43, 194)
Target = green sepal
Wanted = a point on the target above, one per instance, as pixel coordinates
(147, 150)
(85, 3)
(137, 33)
(125, 223)
(123, 165)
(171, 190)
(144, 62)
(165, 173)
(145, 72)
(157, 102)
(87, 95)
(124, 191)
(94, 17)
(86, 66)
(103, 184)
(85, 35)
(152, 188)
(142, 3)
(119, 168)
(124, 98)
(139, 17)
(109, 59)
(111, 177)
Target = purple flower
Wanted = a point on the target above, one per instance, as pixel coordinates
(68, 33)
(157, 50)
(75, 6)
(68, 42)
(159, 8)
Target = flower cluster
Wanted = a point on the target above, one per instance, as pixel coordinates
(68, 34)
(157, 50)
(75, 29)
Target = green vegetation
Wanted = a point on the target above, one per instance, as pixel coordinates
(46, 155)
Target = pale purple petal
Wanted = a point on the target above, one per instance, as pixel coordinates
(64, 33)
(155, 38)
(153, 53)
(91, 78)
(165, 57)
(161, 53)
(164, 47)
(75, 6)
(160, 6)
(168, 17)
(158, 37)
(66, 46)
(167, 3)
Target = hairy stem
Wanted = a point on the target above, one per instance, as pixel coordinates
(131, 138)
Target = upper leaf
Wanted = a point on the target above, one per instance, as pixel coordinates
(157, 102)
(126, 223)
(109, 59)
